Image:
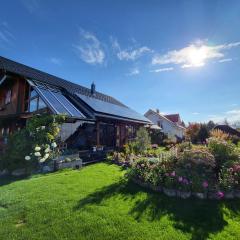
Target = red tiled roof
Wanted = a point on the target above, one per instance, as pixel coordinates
(173, 117)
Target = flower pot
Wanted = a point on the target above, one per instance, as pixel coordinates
(183, 194)
(229, 195)
(200, 195)
(237, 193)
(170, 192)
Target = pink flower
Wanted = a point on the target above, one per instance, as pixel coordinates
(205, 184)
(220, 194)
(167, 174)
(180, 179)
(173, 174)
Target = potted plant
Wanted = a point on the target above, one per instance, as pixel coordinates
(170, 184)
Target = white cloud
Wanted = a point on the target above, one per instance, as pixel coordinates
(89, 48)
(195, 113)
(231, 116)
(194, 55)
(55, 60)
(225, 60)
(130, 53)
(6, 37)
(162, 70)
(134, 71)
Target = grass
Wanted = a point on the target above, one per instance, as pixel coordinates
(96, 203)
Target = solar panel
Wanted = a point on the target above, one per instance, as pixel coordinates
(69, 106)
(109, 108)
(54, 103)
(57, 101)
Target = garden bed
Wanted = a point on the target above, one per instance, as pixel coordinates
(198, 171)
(216, 195)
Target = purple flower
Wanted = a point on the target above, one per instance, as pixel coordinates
(180, 179)
(173, 174)
(220, 194)
(205, 184)
(185, 181)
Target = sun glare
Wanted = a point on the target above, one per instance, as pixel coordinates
(197, 56)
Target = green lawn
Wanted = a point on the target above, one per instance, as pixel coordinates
(95, 203)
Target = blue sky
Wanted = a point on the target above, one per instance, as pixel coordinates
(178, 56)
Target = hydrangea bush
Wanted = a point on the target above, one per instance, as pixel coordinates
(34, 144)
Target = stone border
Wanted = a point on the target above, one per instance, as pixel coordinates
(185, 195)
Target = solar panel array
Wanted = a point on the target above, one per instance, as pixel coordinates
(112, 109)
(57, 101)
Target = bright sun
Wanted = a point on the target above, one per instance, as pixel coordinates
(196, 56)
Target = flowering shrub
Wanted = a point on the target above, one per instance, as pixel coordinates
(223, 151)
(170, 180)
(229, 178)
(33, 144)
(226, 179)
(211, 171)
(184, 184)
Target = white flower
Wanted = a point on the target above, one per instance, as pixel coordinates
(47, 150)
(37, 154)
(54, 145)
(27, 158)
(46, 156)
(37, 149)
(43, 127)
(42, 160)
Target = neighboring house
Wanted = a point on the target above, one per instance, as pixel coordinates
(93, 118)
(171, 125)
(227, 129)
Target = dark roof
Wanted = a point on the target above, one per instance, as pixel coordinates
(173, 117)
(72, 88)
(32, 73)
(228, 129)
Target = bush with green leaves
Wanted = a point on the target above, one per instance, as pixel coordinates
(223, 151)
(157, 136)
(143, 141)
(19, 144)
(184, 146)
(33, 144)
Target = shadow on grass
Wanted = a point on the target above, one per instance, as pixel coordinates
(197, 217)
(10, 179)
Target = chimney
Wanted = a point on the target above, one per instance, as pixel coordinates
(93, 88)
(157, 110)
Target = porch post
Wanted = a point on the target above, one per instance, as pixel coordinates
(98, 132)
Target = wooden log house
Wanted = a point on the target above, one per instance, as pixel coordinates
(93, 118)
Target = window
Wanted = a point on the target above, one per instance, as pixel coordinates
(33, 106)
(41, 104)
(35, 103)
(8, 96)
